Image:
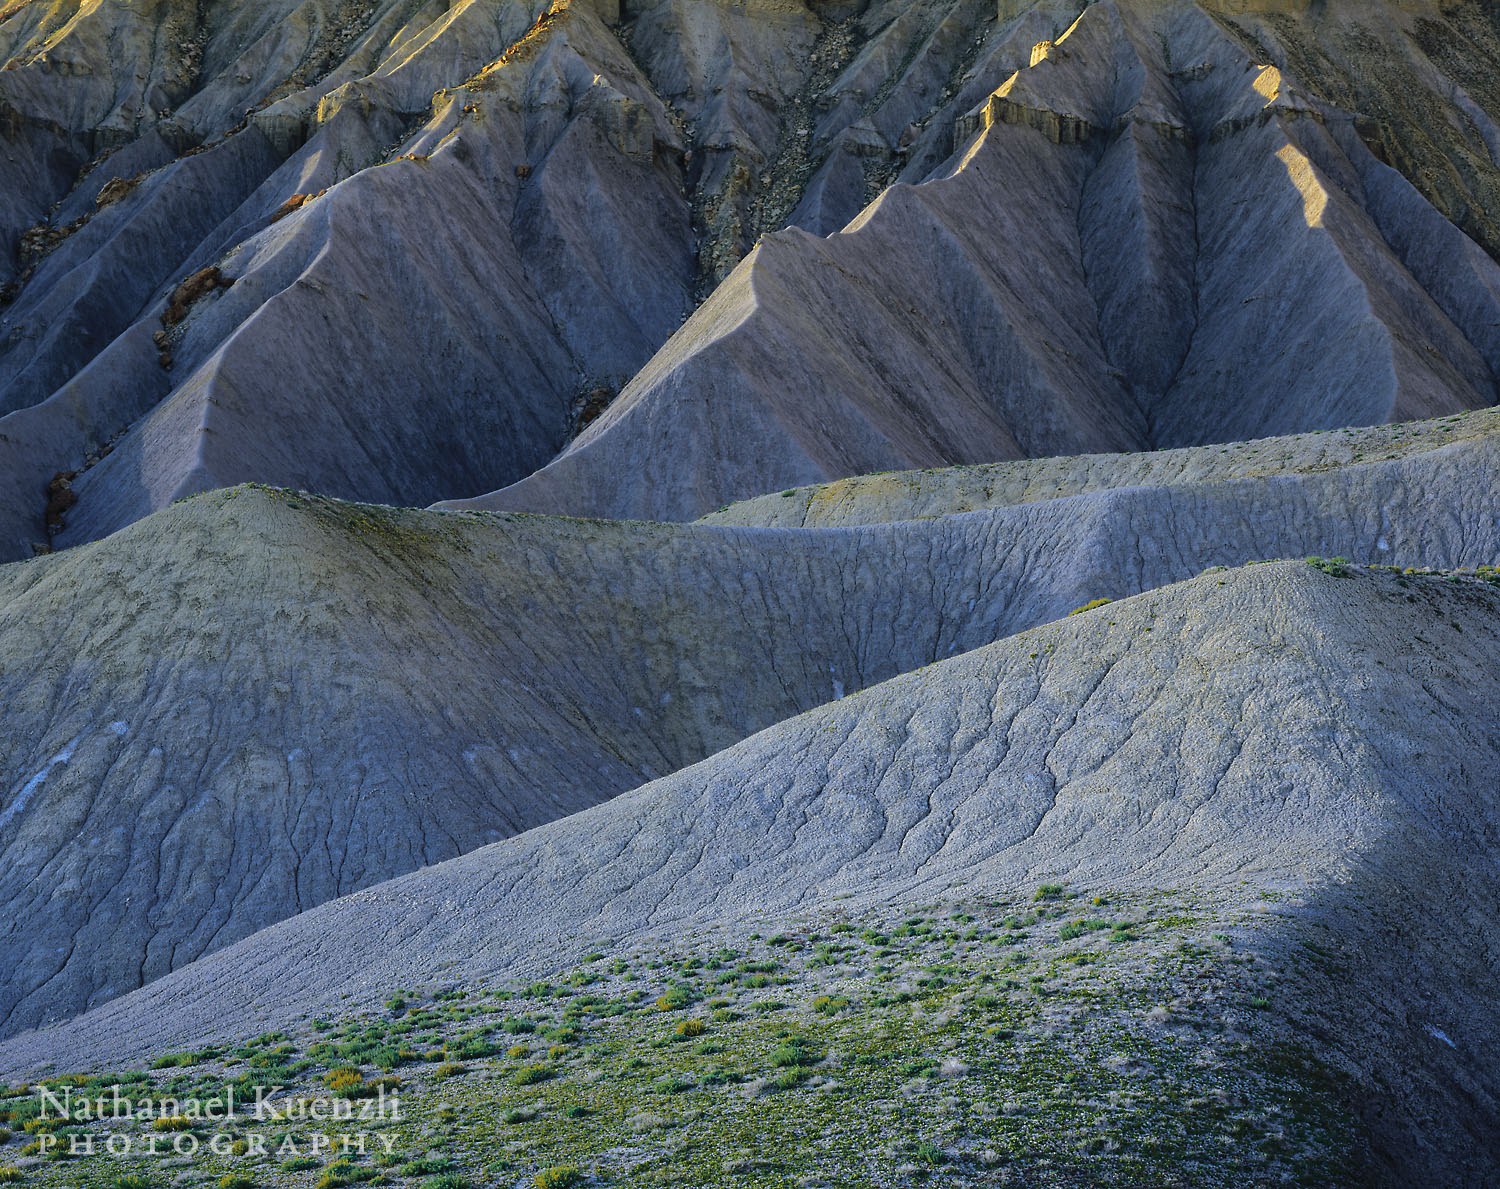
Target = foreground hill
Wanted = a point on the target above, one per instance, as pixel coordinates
(1312, 736)
(1066, 227)
(257, 701)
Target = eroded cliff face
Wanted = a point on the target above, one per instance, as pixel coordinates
(1134, 224)
(1148, 234)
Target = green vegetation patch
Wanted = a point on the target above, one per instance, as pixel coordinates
(977, 1043)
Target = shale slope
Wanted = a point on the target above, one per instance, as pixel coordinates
(1278, 729)
(1139, 223)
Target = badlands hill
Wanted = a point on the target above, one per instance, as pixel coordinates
(447, 233)
(257, 701)
(705, 585)
(1278, 729)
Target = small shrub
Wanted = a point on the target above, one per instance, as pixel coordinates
(235, 1181)
(1089, 606)
(929, 1153)
(451, 1069)
(472, 1049)
(427, 1166)
(342, 1079)
(1334, 567)
(344, 1172)
(1048, 891)
(129, 1181)
(530, 1075)
(688, 1029)
(239, 1147)
(795, 1051)
(789, 1079)
(173, 1123)
(350, 1083)
(674, 999)
(563, 1176)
